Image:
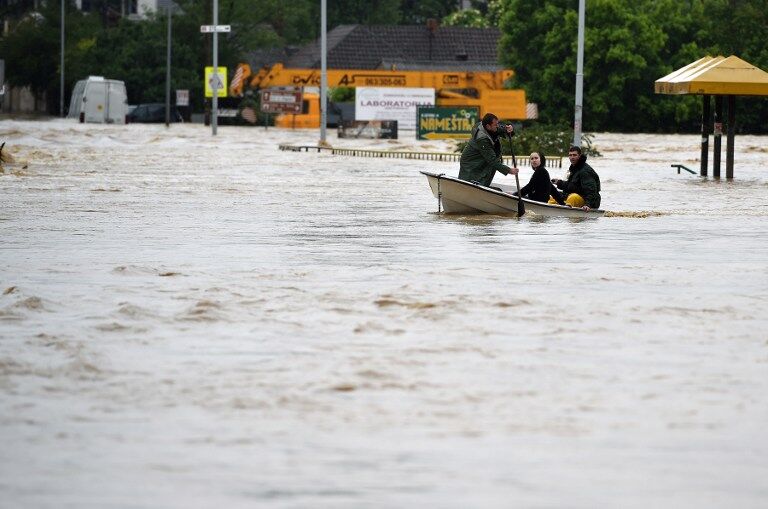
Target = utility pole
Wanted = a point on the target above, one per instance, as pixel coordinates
(61, 84)
(323, 73)
(579, 78)
(168, 74)
(215, 85)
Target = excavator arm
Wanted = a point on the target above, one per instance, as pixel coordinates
(279, 76)
(484, 89)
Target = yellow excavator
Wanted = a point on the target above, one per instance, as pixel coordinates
(484, 89)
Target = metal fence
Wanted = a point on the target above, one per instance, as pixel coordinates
(552, 161)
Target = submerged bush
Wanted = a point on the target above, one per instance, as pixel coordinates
(551, 140)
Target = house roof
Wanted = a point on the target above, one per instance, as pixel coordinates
(407, 47)
(715, 76)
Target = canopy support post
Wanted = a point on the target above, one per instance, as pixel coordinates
(731, 132)
(705, 135)
(718, 132)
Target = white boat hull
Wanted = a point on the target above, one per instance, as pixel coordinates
(462, 197)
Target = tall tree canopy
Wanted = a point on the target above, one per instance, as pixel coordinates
(628, 45)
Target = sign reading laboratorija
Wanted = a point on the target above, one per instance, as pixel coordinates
(438, 122)
(392, 104)
(219, 79)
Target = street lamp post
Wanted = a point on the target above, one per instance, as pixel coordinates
(323, 73)
(215, 85)
(61, 84)
(579, 79)
(168, 74)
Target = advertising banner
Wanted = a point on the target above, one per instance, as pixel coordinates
(392, 104)
(437, 122)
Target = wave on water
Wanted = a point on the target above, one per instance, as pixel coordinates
(20, 303)
(133, 311)
(203, 311)
(135, 270)
(635, 213)
(390, 302)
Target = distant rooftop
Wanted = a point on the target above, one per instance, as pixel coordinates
(405, 47)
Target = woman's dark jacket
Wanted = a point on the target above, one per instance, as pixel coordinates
(538, 187)
(584, 181)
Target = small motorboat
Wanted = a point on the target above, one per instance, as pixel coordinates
(461, 197)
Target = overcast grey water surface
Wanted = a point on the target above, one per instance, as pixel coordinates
(189, 321)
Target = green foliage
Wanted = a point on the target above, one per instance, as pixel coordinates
(628, 45)
(494, 12)
(342, 94)
(32, 48)
(417, 12)
(466, 18)
(366, 12)
(552, 140)
(135, 51)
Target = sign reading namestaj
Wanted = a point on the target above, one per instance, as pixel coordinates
(441, 122)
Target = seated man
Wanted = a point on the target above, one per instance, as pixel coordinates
(582, 189)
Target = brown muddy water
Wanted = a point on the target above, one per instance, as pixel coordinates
(189, 321)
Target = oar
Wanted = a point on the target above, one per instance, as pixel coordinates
(520, 204)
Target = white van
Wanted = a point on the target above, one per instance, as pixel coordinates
(99, 100)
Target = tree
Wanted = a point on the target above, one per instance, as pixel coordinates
(31, 50)
(417, 12)
(738, 27)
(628, 45)
(466, 18)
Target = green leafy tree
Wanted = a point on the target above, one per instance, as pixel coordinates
(365, 12)
(32, 49)
(466, 18)
(628, 45)
(417, 12)
(739, 27)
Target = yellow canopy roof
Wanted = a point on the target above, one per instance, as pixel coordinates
(715, 76)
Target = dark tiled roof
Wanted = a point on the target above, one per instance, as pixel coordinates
(406, 47)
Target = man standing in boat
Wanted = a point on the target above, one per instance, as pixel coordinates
(582, 189)
(481, 157)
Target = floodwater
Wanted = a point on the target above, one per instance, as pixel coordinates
(189, 321)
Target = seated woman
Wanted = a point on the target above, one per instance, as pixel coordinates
(539, 187)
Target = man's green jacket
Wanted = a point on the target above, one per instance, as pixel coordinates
(584, 181)
(481, 158)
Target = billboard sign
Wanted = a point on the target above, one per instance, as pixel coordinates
(392, 104)
(438, 122)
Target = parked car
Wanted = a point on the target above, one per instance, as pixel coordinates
(152, 112)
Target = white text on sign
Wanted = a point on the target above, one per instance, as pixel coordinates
(207, 29)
